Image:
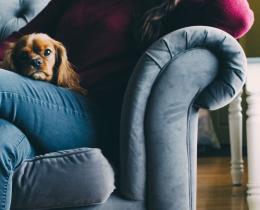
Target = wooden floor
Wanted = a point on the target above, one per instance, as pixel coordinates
(215, 191)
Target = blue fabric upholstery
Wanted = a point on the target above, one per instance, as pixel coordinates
(190, 68)
(69, 178)
(185, 70)
(115, 202)
(15, 14)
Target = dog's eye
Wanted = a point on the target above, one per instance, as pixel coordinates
(47, 52)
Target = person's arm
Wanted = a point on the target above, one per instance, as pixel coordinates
(232, 16)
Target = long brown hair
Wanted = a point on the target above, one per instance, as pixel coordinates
(149, 20)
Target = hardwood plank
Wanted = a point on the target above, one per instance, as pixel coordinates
(215, 190)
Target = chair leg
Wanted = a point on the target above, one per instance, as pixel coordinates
(253, 148)
(235, 133)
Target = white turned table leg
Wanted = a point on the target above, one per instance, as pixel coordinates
(253, 148)
(253, 133)
(235, 133)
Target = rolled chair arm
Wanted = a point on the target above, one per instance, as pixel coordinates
(187, 69)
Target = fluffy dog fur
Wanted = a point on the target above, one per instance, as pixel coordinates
(42, 58)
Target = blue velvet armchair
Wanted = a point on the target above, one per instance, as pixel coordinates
(185, 70)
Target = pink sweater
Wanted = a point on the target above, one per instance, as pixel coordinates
(96, 32)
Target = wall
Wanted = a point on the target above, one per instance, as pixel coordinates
(251, 42)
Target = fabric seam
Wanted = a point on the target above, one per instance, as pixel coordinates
(44, 103)
(188, 147)
(5, 191)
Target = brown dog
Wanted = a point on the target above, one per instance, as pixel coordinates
(42, 58)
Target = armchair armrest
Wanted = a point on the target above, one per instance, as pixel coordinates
(187, 69)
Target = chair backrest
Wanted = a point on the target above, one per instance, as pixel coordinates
(14, 14)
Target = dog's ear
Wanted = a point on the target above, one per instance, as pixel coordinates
(65, 74)
(8, 61)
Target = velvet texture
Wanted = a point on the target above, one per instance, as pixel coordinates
(70, 178)
(15, 15)
(190, 68)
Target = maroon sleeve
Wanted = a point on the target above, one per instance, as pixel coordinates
(45, 22)
(232, 16)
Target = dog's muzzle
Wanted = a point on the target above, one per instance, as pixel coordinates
(36, 63)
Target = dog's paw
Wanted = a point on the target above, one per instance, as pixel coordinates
(39, 76)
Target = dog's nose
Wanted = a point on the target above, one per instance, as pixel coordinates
(36, 63)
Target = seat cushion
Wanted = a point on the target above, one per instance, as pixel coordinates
(70, 178)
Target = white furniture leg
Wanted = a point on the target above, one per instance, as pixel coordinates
(253, 133)
(253, 148)
(235, 134)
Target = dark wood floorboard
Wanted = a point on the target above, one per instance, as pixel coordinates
(215, 191)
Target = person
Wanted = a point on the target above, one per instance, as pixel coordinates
(104, 40)
(234, 17)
